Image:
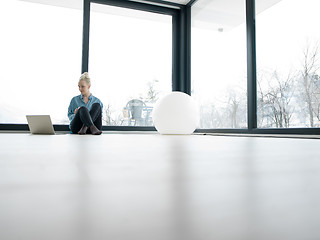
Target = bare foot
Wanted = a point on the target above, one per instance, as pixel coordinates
(94, 130)
(83, 130)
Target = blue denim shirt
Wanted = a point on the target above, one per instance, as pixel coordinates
(77, 101)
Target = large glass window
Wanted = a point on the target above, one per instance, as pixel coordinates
(288, 63)
(219, 63)
(40, 61)
(130, 62)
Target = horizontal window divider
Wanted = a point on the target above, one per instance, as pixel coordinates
(191, 2)
(160, 3)
(221, 130)
(128, 128)
(138, 6)
(14, 127)
(63, 127)
(288, 131)
(302, 131)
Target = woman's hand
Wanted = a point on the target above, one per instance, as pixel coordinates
(76, 110)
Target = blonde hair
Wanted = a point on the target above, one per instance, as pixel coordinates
(85, 77)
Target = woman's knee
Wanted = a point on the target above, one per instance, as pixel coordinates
(96, 106)
(83, 109)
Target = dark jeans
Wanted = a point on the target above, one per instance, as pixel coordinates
(88, 118)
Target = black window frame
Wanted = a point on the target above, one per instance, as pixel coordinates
(181, 63)
(252, 127)
(180, 50)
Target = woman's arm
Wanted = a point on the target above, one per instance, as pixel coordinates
(71, 110)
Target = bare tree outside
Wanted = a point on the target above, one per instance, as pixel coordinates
(110, 118)
(152, 94)
(210, 117)
(309, 83)
(284, 100)
(236, 106)
(107, 117)
(275, 97)
(229, 112)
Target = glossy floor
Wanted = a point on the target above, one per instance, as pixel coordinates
(122, 186)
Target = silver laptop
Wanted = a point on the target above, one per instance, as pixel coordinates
(40, 124)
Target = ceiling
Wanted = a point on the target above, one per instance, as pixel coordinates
(79, 3)
(224, 15)
(210, 4)
(220, 15)
(184, 2)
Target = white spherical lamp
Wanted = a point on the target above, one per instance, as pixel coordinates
(175, 113)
